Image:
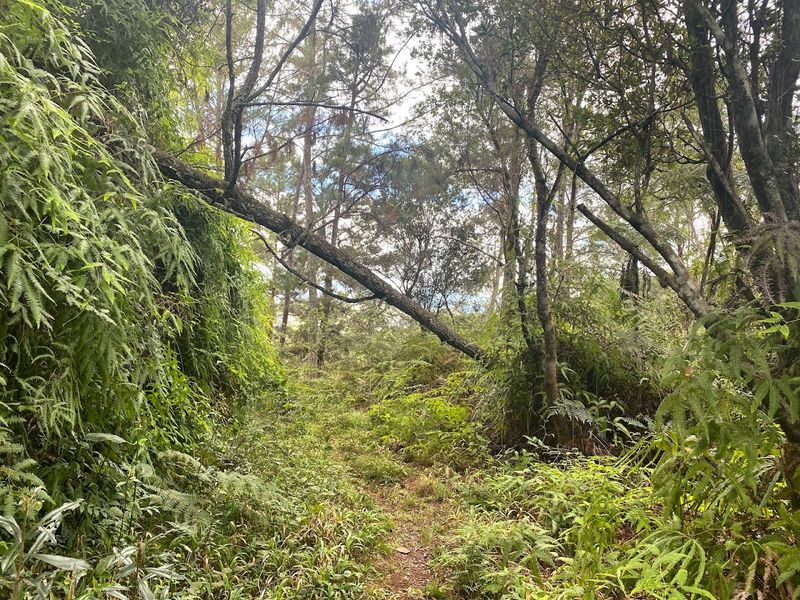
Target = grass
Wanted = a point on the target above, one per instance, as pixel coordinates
(510, 527)
(309, 499)
(513, 527)
(304, 528)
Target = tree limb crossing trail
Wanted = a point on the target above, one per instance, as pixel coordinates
(248, 207)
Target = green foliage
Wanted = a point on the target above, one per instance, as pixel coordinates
(721, 471)
(726, 392)
(378, 468)
(23, 554)
(712, 519)
(149, 446)
(427, 401)
(401, 359)
(585, 529)
(608, 381)
(284, 521)
(131, 318)
(429, 428)
(266, 517)
(708, 516)
(499, 558)
(79, 242)
(225, 341)
(335, 421)
(609, 349)
(137, 45)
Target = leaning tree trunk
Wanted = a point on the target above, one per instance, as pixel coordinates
(250, 208)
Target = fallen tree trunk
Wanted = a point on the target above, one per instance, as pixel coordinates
(248, 207)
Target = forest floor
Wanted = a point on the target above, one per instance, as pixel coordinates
(364, 522)
(419, 502)
(405, 571)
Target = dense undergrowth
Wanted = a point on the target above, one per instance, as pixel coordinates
(135, 332)
(671, 516)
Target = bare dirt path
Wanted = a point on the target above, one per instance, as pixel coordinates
(421, 514)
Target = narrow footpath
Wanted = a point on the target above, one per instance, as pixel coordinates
(417, 501)
(417, 520)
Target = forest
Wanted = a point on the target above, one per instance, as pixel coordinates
(399, 299)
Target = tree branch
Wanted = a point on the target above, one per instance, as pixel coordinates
(304, 279)
(319, 105)
(456, 31)
(250, 208)
(698, 306)
(303, 34)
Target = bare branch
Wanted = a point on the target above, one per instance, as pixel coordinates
(318, 105)
(304, 279)
(302, 35)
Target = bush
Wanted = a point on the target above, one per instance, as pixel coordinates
(132, 319)
(498, 558)
(428, 428)
(378, 468)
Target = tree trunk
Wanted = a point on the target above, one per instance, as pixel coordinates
(250, 208)
(308, 197)
(543, 203)
(341, 197)
(496, 280)
(569, 232)
(327, 304)
(508, 292)
(287, 290)
(561, 218)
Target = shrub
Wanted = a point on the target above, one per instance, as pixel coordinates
(498, 558)
(428, 428)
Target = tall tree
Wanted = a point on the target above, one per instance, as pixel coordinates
(757, 99)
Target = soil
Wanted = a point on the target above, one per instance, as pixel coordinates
(418, 522)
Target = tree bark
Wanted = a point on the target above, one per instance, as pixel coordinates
(326, 301)
(561, 218)
(496, 280)
(752, 146)
(287, 290)
(778, 130)
(341, 198)
(308, 200)
(543, 202)
(570, 226)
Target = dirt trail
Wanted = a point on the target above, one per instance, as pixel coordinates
(420, 501)
(418, 521)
